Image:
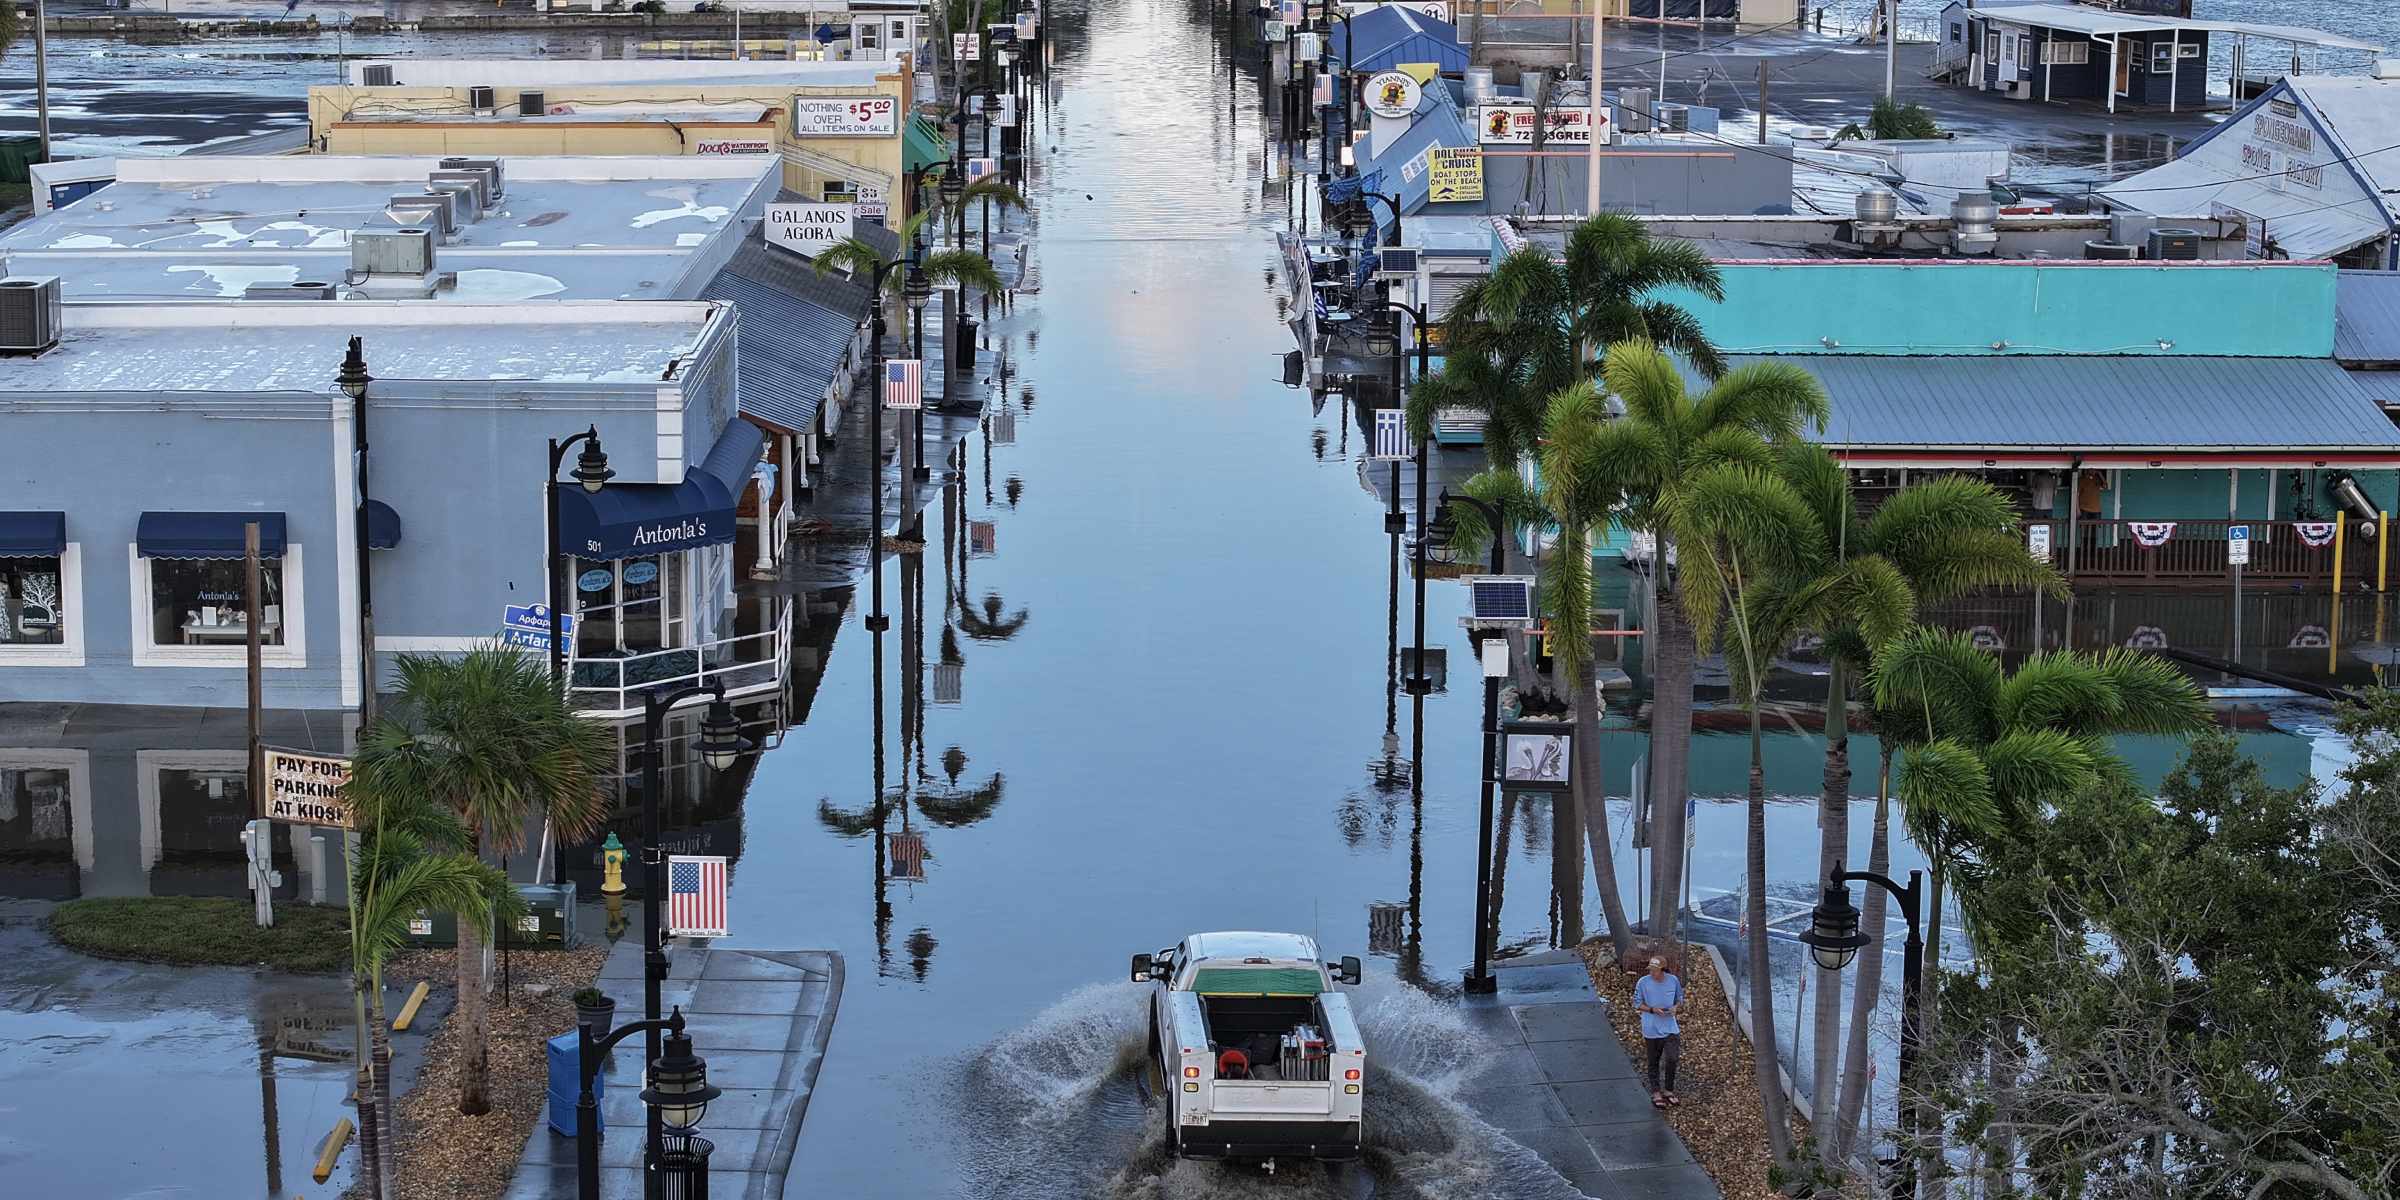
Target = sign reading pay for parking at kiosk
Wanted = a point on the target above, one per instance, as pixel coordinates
(307, 788)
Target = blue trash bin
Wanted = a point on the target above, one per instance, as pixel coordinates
(566, 1083)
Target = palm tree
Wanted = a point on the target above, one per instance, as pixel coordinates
(1936, 539)
(491, 738)
(1648, 460)
(1985, 748)
(410, 859)
(1745, 531)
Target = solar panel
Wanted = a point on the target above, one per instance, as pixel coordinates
(1397, 260)
(1500, 597)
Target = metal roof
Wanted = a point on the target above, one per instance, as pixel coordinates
(1403, 163)
(787, 349)
(2098, 22)
(506, 75)
(1380, 39)
(2099, 402)
(2366, 322)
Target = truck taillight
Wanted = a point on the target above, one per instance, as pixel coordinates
(1194, 1072)
(1350, 1075)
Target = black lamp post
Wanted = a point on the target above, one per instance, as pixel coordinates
(721, 744)
(876, 620)
(591, 470)
(1481, 980)
(919, 291)
(353, 381)
(678, 1097)
(1392, 202)
(1833, 938)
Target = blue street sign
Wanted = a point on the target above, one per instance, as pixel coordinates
(535, 618)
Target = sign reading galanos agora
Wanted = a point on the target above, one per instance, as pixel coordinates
(808, 229)
(307, 788)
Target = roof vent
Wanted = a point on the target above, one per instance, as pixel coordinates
(439, 209)
(499, 181)
(376, 75)
(480, 181)
(391, 252)
(531, 104)
(305, 290)
(30, 313)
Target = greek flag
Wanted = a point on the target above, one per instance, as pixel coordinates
(1391, 436)
(1321, 309)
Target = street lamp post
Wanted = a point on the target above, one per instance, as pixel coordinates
(678, 1097)
(591, 470)
(875, 331)
(1481, 981)
(353, 381)
(1833, 938)
(721, 743)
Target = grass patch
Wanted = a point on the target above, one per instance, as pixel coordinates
(205, 930)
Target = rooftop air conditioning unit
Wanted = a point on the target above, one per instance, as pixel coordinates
(480, 180)
(531, 104)
(306, 290)
(1675, 118)
(480, 99)
(499, 181)
(376, 75)
(437, 209)
(2111, 251)
(2174, 244)
(30, 312)
(1633, 109)
(392, 252)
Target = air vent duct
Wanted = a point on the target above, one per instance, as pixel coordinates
(479, 181)
(499, 180)
(438, 209)
(31, 308)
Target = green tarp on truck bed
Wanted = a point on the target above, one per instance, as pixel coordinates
(1258, 981)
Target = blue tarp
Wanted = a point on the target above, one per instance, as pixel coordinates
(215, 535)
(1380, 39)
(33, 534)
(629, 520)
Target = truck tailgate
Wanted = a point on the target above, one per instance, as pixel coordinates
(1258, 1096)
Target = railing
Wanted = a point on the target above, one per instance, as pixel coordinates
(748, 664)
(2113, 551)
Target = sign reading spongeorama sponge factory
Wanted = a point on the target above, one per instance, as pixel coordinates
(307, 788)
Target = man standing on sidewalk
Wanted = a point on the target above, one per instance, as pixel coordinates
(1658, 996)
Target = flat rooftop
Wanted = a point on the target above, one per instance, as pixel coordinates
(579, 112)
(510, 74)
(564, 227)
(295, 346)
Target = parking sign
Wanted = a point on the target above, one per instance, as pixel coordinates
(2237, 545)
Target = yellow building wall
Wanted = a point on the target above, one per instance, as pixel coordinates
(436, 120)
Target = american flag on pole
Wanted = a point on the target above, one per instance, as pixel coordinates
(695, 896)
(1391, 435)
(904, 383)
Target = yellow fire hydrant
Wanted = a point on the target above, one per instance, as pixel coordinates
(612, 862)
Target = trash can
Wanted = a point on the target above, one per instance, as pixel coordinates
(549, 919)
(566, 1084)
(963, 354)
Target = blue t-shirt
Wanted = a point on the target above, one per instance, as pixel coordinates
(1658, 993)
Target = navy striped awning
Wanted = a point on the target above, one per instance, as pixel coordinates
(786, 350)
(216, 535)
(630, 520)
(33, 534)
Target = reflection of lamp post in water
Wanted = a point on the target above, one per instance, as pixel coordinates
(1494, 652)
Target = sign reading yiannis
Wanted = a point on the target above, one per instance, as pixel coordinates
(845, 116)
(307, 788)
(809, 229)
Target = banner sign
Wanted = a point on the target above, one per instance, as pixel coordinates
(307, 788)
(845, 116)
(696, 887)
(1457, 174)
(808, 229)
(719, 146)
(1512, 125)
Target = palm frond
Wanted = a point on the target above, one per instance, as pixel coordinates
(849, 254)
(964, 268)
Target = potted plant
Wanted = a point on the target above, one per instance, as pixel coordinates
(594, 1009)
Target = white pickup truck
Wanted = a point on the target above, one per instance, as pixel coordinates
(1257, 1052)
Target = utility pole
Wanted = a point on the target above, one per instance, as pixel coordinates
(41, 75)
(1765, 74)
(1600, 125)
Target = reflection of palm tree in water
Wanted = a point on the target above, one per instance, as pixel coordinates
(990, 627)
(957, 806)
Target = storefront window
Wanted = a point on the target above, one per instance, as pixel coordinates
(31, 609)
(200, 602)
(37, 834)
(629, 606)
(201, 813)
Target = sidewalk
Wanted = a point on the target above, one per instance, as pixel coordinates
(1563, 1086)
(760, 1018)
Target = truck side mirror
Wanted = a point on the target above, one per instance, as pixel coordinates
(1352, 970)
(1141, 968)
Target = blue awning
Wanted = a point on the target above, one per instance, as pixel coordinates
(383, 526)
(33, 534)
(786, 350)
(628, 520)
(207, 534)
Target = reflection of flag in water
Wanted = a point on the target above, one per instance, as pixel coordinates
(949, 683)
(904, 383)
(908, 856)
(695, 897)
(979, 537)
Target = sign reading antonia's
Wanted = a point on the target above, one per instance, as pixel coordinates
(307, 788)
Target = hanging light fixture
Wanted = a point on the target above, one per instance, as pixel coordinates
(1383, 340)
(591, 466)
(354, 378)
(679, 1086)
(721, 740)
(1833, 937)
